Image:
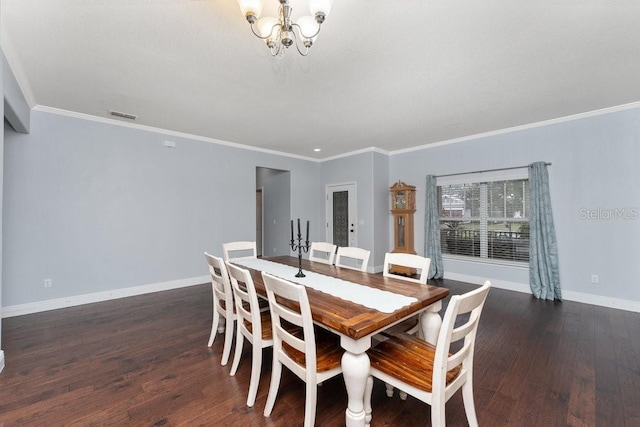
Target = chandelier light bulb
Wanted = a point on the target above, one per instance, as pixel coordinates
(309, 28)
(251, 8)
(268, 27)
(320, 6)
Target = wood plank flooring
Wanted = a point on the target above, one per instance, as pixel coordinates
(144, 361)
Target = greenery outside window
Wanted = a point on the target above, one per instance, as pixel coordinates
(485, 220)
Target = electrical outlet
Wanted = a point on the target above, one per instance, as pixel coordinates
(47, 283)
(595, 279)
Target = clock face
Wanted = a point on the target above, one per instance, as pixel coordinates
(401, 202)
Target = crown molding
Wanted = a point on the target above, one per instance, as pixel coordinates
(356, 152)
(177, 134)
(165, 132)
(543, 123)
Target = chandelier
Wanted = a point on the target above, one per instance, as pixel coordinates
(280, 33)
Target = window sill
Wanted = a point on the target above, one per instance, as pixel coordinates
(477, 260)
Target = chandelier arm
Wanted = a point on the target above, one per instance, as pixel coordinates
(303, 34)
(265, 37)
(306, 51)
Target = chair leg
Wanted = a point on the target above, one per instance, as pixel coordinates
(389, 388)
(469, 406)
(214, 326)
(437, 411)
(228, 339)
(311, 399)
(276, 372)
(368, 391)
(256, 367)
(238, 352)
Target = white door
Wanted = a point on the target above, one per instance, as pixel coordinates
(342, 226)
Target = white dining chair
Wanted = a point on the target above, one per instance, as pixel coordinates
(223, 306)
(323, 252)
(417, 263)
(312, 356)
(239, 250)
(253, 324)
(353, 258)
(432, 374)
(410, 262)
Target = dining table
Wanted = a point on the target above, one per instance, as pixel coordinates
(356, 306)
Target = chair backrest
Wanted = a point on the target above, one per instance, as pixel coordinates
(246, 298)
(410, 261)
(353, 256)
(465, 309)
(279, 291)
(220, 284)
(322, 252)
(239, 250)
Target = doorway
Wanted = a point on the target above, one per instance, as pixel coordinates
(273, 211)
(342, 227)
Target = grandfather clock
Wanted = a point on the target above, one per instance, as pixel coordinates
(403, 207)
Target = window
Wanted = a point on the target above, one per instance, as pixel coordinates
(486, 220)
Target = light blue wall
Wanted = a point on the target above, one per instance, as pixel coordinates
(380, 205)
(595, 166)
(98, 207)
(370, 172)
(356, 168)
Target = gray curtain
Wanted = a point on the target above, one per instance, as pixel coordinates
(432, 230)
(544, 277)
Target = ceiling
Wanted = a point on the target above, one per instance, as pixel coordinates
(384, 74)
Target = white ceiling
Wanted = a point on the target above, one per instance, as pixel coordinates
(385, 74)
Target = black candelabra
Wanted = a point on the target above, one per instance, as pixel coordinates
(299, 246)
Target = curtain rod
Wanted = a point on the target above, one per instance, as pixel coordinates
(489, 170)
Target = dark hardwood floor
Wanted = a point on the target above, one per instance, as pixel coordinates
(144, 361)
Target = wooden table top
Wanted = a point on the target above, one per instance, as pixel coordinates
(348, 318)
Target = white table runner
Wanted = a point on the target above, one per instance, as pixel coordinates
(383, 301)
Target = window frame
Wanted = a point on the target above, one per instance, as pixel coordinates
(484, 177)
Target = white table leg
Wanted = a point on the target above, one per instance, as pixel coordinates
(355, 370)
(430, 322)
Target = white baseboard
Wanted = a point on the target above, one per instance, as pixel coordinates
(1, 360)
(620, 304)
(501, 284)
(375, 269)
(54, 304)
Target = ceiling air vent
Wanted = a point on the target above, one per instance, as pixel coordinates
(123, 115)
